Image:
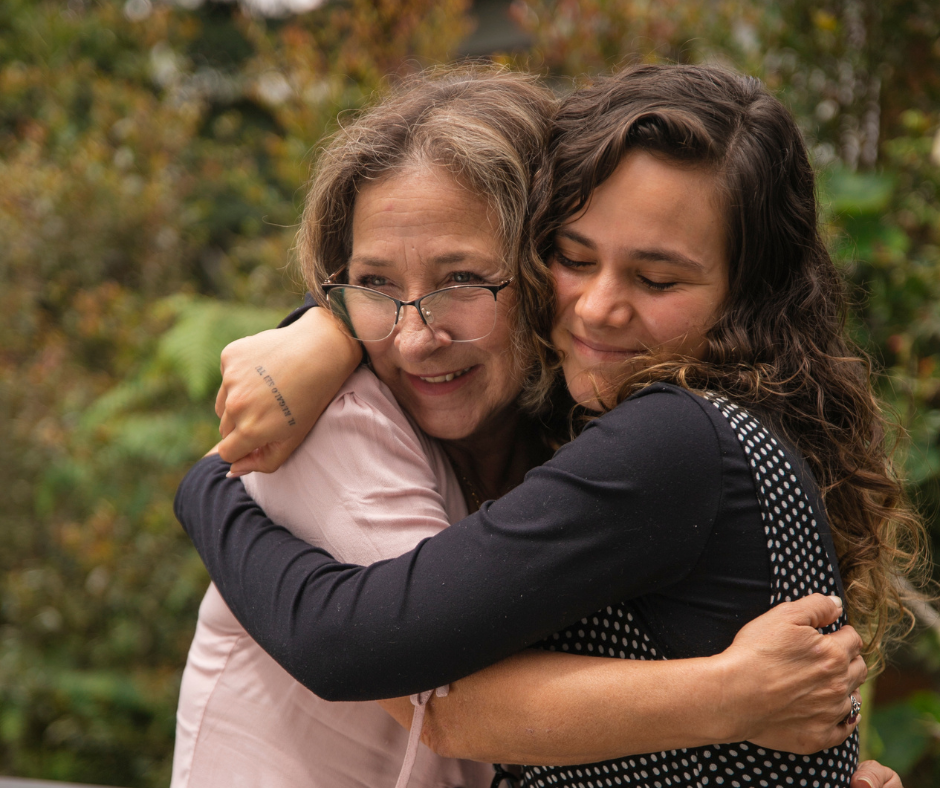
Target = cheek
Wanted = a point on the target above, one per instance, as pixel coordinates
(668, 319)
(380, 353)
(566, 288)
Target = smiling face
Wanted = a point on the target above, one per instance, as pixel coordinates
(418, 231)
(643, 268)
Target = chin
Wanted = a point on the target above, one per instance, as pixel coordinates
(583, 387)
(447, 429)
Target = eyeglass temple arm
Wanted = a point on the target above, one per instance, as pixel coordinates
(329, 279)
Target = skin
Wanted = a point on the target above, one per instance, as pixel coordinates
(642, 268)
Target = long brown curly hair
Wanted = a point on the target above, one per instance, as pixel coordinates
(779, 343)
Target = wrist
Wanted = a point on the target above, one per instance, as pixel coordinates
(322, 326)
(728, 683)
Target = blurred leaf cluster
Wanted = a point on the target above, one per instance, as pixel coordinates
(153, 156)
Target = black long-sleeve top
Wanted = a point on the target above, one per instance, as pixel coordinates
(654, 502)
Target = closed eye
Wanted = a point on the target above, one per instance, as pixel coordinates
(658, 286)
(567, 262)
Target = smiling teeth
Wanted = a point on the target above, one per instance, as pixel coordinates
(448, 377)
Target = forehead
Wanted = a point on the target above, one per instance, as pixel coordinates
(652, 201)
(421, 195)
(421, 212)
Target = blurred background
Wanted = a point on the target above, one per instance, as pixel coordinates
(152, 162)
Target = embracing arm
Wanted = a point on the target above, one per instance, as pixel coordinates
(781, 685)
(483, 589)
(536, 706)
(276, 384)
(757, 689)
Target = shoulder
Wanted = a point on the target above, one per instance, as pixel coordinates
(364, 397)
(659, 441)
(664, 420)
(363, 445)
(671, 402)
(363, 426)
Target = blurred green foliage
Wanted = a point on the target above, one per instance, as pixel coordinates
(153, 158)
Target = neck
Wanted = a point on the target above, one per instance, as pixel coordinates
(493, 460)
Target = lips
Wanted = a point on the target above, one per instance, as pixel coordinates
(600, 351)
(443, 383)
(447, 377)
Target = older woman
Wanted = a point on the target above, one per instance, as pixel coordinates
(648, 235)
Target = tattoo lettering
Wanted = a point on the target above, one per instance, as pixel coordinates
(277, 395)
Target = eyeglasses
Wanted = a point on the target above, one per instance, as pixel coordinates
(462, 313)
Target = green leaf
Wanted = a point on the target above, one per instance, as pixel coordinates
(855, 193)
(193, 345)
(906, 730)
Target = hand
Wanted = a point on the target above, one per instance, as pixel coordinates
(792, 685)
(872, 774)
(276, 384)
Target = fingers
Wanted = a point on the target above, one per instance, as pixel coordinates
(267, 459)
(816, 610)
(858, 672)
(234, 446)
(248, 464)
(226, 424)
(872, 774)
(220, 399)
(848, 640)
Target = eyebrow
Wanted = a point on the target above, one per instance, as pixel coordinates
(653, 255)
(448, 258)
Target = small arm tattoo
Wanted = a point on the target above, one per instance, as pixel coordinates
(277, 395)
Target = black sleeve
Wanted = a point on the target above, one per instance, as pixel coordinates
(623, 510)
(294, 316)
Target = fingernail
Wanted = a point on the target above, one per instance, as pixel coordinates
(235, 474)
(866, 781)
(837, 599)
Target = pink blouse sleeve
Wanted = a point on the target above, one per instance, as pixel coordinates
(365, 485)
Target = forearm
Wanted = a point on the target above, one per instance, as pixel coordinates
(550, 708)
(276, 384)
(444, 611)
(781, 685)
(345, 632)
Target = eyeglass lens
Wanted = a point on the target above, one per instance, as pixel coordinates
(462, 314)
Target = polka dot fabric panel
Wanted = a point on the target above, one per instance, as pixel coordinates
(801, 565)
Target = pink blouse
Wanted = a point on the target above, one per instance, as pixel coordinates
(365, 485)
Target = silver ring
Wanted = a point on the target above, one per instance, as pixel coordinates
(856, 710)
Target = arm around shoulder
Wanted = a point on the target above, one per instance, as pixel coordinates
(276, 384)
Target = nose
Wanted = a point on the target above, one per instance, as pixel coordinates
(415, 339)
(604, 302)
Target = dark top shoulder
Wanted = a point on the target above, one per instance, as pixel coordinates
(293, 317)
(652, 500)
